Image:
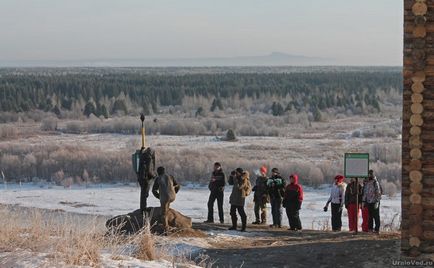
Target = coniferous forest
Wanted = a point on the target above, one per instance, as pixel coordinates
(103, 92)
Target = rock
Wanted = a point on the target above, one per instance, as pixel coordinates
(134, 221)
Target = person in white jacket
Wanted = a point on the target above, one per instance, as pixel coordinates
(337, 199)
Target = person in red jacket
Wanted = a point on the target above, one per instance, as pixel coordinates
(353, 203)
(292, 202)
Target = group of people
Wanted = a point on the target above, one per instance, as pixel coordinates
(273, 190)
(356, 197)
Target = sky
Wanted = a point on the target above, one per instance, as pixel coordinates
(353, 32)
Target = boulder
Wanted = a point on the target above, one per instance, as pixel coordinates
(134, 221)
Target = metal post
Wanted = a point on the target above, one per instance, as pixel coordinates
(142, 118)
(357, 205)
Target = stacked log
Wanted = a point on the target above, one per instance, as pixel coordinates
(418, 128)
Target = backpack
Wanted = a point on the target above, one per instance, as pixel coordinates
(248, 189)
(146, 169)
(378, 187)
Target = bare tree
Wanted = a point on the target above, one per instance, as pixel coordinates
(85, 177)
(58, 177)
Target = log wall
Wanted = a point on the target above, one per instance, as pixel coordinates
(418, 129)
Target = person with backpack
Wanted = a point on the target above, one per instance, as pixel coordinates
(216, 187)
(275, 188)
(145, 175)
(292, 201)
(261, 197)
(165, 188)
(371, 199)
(337, 199)
(353, 202)
(240, 190)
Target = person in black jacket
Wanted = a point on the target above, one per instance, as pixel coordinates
(261, 197)
(145, 175)
(275, 187)
(216, 187)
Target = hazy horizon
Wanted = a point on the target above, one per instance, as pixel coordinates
(347, 32)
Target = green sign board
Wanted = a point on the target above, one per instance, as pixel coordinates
(356, 165)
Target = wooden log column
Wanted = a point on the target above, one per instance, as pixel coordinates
(418, 129)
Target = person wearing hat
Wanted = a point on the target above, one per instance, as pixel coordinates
(241, 188)
(216, 187)
(292, 202)
(337, 199)
(275, 188)
(261, 197)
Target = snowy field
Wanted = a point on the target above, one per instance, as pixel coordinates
(116, 199)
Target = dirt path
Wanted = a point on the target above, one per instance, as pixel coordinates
(263, 247)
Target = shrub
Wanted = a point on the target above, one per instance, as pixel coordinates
(49, 124)
(385, 131)
(356, 134)
(67, 182)
(389, 188)
(67, 164)
(74, 127)
(315, 176)
(58, 177)
(230, 135)
(8, 117)
(8, 132)
(385, 153)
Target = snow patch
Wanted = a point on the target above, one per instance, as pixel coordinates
(115, 199)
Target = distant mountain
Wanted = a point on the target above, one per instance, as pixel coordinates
(273, 59)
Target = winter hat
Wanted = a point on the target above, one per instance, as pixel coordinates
(339, 178)
(263, 169)
(275, 170)
(160, 170)
(239, 170)
(295, 176)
